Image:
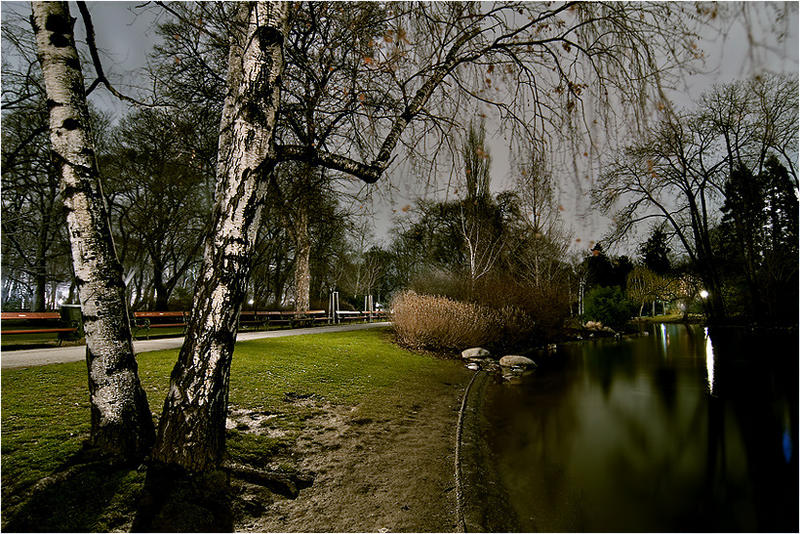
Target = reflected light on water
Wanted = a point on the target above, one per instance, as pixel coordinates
(787, 446)
(664, 338)
(709, 361)
(787, 436)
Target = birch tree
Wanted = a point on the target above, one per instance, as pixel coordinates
(121, 423)
(191, 430)
(542, 243)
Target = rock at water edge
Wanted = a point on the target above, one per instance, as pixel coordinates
(474, 353)
(516, 361)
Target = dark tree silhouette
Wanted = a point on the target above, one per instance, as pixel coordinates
(655, 251)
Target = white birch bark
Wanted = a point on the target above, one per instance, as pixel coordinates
(122, 424)
(191, 431)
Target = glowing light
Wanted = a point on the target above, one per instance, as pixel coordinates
(703, 294)
(250, 301)
(709, 362)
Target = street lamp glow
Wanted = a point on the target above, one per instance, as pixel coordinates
(703, 293)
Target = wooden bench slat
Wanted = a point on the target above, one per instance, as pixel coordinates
(290, 312)
(29, 315)
(37, 331)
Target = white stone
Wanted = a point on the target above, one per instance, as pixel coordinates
(475, 352)
(513, 360)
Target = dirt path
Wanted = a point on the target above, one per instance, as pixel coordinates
(391, 472)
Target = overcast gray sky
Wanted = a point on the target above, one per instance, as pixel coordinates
(126, 35)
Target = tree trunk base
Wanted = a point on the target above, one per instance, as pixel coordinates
(175, 501)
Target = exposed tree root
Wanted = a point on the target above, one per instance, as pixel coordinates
(281, 482)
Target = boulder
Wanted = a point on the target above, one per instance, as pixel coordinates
(475, 353)
(516, 361)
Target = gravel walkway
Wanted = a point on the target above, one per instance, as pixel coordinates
(34, 357)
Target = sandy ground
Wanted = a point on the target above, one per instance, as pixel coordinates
(390, 474)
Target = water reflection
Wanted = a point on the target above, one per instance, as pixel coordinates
(685, 429)
(709, 361)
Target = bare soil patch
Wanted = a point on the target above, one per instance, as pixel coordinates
(391, 470)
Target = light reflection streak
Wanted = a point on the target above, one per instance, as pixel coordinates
(709, 361)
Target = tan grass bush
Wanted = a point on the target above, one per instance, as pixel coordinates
(441, 323)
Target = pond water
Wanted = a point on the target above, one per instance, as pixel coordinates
(680, 430)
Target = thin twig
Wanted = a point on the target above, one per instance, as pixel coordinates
(98, 66)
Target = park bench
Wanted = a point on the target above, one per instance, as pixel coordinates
(263, 319)
(145, 320)
(347, 315)
(52, 320)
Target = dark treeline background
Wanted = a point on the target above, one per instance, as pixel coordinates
(713, 187)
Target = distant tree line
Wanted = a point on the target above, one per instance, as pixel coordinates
(158, 165)
(720, 182)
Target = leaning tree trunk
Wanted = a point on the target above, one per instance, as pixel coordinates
(191, 432)
(302, 260)
(122, 424)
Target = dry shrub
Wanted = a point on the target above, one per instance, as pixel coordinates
(498, 311)
(443, 324)
(441, 283)
(515, 329)
(547, 305)
(440, 323)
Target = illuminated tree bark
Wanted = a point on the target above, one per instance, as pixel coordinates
(121, 423)
(191, 431)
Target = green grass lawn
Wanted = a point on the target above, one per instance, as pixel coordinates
(45, 410)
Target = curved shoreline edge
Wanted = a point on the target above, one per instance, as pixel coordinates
(482, 503)
(459, 430)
